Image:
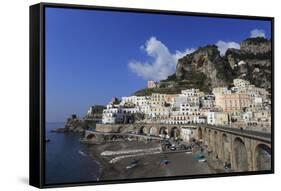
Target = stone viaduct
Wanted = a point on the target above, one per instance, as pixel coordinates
(244, 150)
(153, 129)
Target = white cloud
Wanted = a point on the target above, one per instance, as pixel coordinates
(163, 61)
(257, 33)
(223, 46)
(180, 54)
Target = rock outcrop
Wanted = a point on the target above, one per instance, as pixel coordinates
(206, 68)
(256, 46)
(252, 61)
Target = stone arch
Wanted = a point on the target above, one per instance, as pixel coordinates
(153, 131)
(163, 131)
(113, 137)
(175, 132)
(135, 129)
(200, 133)
(143, 130)
(262, 157)
(240, 155)
(130, 129)
(225, 148)
(121, 129)
(91, 136)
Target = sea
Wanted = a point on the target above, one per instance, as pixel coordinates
(66, 159)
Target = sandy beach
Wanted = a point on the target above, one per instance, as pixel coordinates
(149, 164)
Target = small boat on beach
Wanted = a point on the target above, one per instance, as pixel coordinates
(202, 160)
(133, 164)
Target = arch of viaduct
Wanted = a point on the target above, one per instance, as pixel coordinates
(243, 151)
(145, 129)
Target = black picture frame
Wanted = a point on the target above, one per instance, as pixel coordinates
(37, 93)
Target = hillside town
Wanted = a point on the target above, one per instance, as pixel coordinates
(213, 113)
(242, 106)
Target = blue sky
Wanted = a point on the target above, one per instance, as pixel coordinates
(92, 56)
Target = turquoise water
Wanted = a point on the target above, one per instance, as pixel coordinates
(67, 160)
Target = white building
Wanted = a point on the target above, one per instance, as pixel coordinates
(128, 99)
(247, 116)
(179, 100)
(187, 134)
(217, 118)
(241, 84)
(189, 109)
(136, 100)
(130, 110)
(157, 99)
(192, 92)
(201, 119)
(145, 109)
(159, 112)
(112, 115)
(142, 100)
(207, 101)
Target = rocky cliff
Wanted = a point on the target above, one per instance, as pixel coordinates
(206, 68)
(254, 56)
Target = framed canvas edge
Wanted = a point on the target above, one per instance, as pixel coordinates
(38, 90)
